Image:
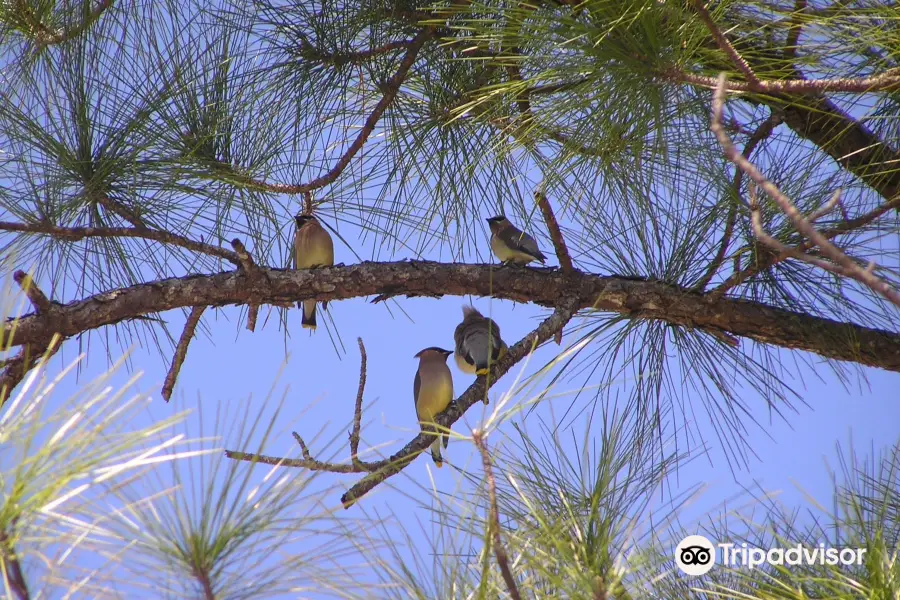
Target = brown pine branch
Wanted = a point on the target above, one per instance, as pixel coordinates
(889, 81)
(843, 264)
(78, 233)
(181, 350)
(762, 132)
(340, 59)
(390, 90)
(252, 270)
(494, 517)
(723, 43)
(559, 244)
(37, 297)
(847, 226)
(474, 394)
(121, 210)
(634, 298)
(357, 411)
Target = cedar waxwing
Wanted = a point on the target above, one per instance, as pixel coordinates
(511, 245)
(312, 248)
(433, 392)
(478, 343)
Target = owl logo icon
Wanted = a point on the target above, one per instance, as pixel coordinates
(695, 555)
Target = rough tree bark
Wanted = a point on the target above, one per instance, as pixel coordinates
(634, 297)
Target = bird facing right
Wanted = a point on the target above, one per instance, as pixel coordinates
(478, 343)
(511, 245)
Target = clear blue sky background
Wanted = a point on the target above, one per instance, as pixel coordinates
(231, 366)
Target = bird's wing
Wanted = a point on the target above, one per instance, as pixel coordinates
(518, 240)
(417, 383)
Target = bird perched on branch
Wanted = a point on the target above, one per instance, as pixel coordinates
(511, 245)
(312, 248)
(433, 392)
(478, 343)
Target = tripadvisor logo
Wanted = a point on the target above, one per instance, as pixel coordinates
(695, 555)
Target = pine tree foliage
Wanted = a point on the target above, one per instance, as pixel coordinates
(138, 139)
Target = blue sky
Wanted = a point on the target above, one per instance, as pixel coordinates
(231, 367)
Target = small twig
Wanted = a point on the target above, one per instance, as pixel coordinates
(559, 244)
(724, 44)
(77, 233)
(357, 411)
(825, 208)
(740, 276)
(123, 211)
(307, 203)
(37, 298)
(181, 350)
(843, 263)
(252, 270)
(308, 462)
(762, 132)
(350, 58)
(494, 517)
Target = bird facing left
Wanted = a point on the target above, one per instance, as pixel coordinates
(313, 248)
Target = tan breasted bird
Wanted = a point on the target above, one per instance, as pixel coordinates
(312, 248)
(433, 392)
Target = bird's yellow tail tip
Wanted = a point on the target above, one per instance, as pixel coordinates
(482, 371)
(311, 326)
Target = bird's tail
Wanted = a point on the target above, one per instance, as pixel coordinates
(436, 452)
(477, 347)
(309, 314)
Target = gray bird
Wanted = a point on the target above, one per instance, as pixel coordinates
(478, 343)
(312, 248)
(511, 245)
(433, 392)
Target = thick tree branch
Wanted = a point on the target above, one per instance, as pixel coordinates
(398, 461)
(181, 351)
(803, 224)
(78, 233)
(636, 298)
(494, 517)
